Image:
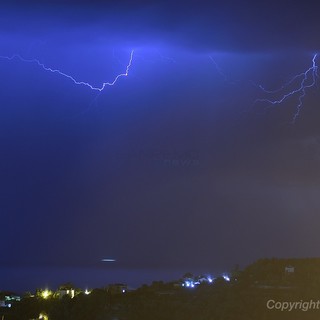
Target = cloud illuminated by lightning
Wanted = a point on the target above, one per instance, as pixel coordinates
(302, 81)
(44, 67)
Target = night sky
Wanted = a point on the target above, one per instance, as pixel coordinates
(176, 165)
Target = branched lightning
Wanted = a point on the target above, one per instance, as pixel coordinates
(44, 67)
(303, 81)
(295, 88)
(220, 71)
(165, 58)
(286, 85)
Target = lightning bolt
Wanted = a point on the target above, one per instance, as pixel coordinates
(222, 73)
(219, 70)
(302, 81)
(81, 83)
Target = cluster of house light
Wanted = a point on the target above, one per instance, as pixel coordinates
(189, 283)
(8, 300)
(45, 294)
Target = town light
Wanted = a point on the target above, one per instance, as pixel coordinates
(43, 316)
(226, 278)
(45, 294)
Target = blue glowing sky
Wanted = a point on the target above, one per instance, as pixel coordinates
(173, 166)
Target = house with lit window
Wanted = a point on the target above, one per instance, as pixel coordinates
(66, 290)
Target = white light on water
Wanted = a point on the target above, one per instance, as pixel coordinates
(108, 260)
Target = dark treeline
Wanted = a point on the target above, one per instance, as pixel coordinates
(244, 297)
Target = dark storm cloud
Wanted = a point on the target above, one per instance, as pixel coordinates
(236, 26)
(167, 162)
